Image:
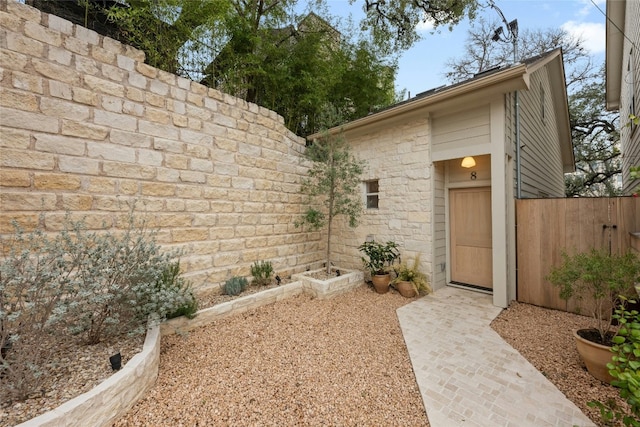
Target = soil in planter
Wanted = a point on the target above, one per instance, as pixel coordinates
(594, 336)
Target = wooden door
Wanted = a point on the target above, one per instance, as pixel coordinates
(470, 236)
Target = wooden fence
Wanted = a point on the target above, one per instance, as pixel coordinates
(547, 227)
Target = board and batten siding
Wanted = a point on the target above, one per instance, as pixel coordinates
(540, 155)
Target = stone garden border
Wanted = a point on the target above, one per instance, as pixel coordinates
(112, 398)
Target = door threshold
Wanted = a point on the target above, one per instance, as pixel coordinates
(470, 287)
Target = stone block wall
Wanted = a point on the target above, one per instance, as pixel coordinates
(399, 158)
(86, 127)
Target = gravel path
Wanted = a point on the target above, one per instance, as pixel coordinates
(309, 362)
(303, 361)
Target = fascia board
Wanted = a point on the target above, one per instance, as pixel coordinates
(514, 78)
(614, 52)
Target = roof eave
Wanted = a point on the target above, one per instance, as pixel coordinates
(613, 54)
(516, 72)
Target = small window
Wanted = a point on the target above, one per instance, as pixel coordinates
(371, 194)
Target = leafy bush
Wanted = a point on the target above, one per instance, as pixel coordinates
(235, 286)
(95, 286)
(625, 368)
(411, 273)
(262, 272)
(380, 256)
(172, 281)
(600, 277)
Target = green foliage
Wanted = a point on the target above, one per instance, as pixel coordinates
(634, 173)
(235, 285)
(600, 277)
(379, 256)
(394, 23)
(332, 185)
(625, 368)
(596, 139)
(92, 285)
(173, 282)
(262, 272)
(251, 50)
(406, 272)
(161, 28)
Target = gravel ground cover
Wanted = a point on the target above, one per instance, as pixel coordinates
(305, 362)
(75, 368)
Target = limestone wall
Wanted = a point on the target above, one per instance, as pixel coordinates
(86, 127)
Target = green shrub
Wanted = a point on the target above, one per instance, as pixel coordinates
(235, 285)
(599, 277)
(92, 285)
(262, 272)
(172, 281)
(624, 368)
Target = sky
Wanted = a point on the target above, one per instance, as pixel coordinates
(422, 67)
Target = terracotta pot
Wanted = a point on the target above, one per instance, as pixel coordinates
(595, 356)
(406, 289)
(381, 282)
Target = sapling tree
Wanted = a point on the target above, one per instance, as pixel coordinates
(332, 185)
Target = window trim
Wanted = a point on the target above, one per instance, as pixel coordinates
(367, 193)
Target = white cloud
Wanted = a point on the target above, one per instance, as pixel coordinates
(588, 6)
(592, 33)
(426, 24)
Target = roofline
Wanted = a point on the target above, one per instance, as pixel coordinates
(616, 11)
(518, 71)
(511, 73)
(562, 106)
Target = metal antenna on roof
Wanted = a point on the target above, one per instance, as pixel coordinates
(511, 35)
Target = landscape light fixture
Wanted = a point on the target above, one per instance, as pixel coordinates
(116, 361)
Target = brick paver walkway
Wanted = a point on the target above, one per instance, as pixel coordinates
(468, 375)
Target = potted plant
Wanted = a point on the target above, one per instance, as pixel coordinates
(624, 368)
(409, 280)
(600, 278)
(378, 261)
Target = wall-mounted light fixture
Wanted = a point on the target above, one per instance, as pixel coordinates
(468, 162)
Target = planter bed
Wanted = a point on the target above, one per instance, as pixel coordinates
(102, 405)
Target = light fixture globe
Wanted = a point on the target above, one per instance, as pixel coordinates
(468, 162)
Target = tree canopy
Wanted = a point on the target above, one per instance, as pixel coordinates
(394, 23)
(275, 52)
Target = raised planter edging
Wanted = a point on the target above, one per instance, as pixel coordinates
(112, 398)
(229, 308)
(328, 288)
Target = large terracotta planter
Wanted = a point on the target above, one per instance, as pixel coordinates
(595, 356)
(405, 289)
(381, 282)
